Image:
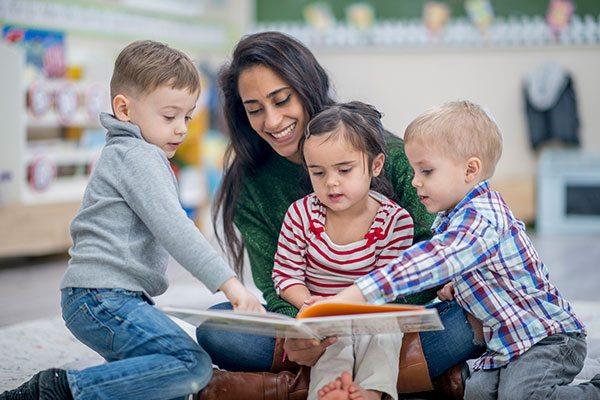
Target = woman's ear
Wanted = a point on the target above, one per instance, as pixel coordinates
(121, 108)
(473, 170)
(378, 162)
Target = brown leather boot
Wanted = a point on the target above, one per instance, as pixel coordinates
(452, 382)
(281, 363)
(413, 373)
(285, 385)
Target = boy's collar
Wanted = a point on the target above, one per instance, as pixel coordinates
(444, 216)
(116, 127)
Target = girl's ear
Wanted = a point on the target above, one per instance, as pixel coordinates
(378, 162)
(121, 107)
(473, 170)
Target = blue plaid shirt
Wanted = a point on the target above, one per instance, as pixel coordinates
(497, 275)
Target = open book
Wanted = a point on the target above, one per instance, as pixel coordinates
(319, 320)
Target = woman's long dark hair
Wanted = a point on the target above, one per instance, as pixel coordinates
(247, 151)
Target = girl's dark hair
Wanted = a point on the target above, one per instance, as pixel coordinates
(247, 151)
(362, 129)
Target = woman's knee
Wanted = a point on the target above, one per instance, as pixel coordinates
(203, 336)
(208, 338)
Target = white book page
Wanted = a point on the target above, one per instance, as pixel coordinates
(376, 323)
(269, 324)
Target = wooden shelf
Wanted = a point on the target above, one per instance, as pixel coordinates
(60, 190)
(35, 230)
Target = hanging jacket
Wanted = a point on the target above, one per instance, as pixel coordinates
(551, 106)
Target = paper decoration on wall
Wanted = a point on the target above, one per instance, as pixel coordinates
(66, 102)
(42, 172)
(319, 16)
(96, 99)
(481, 13)
(360, 15)
(435, 16)
(43, 49)
(559, 15)
(39, 99)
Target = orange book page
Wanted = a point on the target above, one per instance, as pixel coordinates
(326, 309)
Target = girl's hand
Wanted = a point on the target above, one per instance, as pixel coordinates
(447, 292)
(240, 297)
(310, 301)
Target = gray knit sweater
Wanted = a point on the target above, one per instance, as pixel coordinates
(130, 220)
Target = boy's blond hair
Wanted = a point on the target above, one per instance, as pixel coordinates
(462, 130)
(144, 65)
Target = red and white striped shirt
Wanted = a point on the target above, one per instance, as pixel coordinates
(307, 256)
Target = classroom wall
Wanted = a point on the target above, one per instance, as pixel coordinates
(403, 83)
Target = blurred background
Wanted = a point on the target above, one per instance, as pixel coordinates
(535, 65)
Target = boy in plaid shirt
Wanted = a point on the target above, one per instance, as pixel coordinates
(535, 343)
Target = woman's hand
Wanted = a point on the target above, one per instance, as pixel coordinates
(306, 351)
(240, 297)
(447, 292)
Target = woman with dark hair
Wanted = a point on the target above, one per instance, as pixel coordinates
(272, 87)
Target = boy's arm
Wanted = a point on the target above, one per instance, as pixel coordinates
(149, 188)
(466, 245)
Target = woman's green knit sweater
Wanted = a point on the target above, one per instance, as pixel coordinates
(267, 193)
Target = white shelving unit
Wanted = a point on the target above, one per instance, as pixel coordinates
(35, 220)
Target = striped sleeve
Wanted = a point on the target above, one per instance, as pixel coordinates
(400, 234)
(289, 267)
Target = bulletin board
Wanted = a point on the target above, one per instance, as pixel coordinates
(292, 10)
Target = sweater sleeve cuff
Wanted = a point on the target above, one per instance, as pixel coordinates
(369, 288)
(220, 274)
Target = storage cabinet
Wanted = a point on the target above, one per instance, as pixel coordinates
(50, 140)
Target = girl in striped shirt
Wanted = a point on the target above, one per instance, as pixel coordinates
(344, 230)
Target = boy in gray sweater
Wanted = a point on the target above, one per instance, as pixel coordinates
(129, 222)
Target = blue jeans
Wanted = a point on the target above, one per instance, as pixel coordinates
(149, 356)
(246, 352)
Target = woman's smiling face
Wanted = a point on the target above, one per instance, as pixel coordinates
(274, 110)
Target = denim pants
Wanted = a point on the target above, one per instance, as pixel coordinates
(149, 356)
(246, 352)
(542, 372)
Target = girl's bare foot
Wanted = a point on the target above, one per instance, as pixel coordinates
(356, 392)
(336, 390)
(344, 389)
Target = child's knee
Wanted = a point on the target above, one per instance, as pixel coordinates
(479, 386)
(199, 364)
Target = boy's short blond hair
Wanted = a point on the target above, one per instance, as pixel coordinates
(144, 65)
(461, 129)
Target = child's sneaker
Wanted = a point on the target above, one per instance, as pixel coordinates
(52, 383)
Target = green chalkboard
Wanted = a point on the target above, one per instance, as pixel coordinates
(291, 10)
